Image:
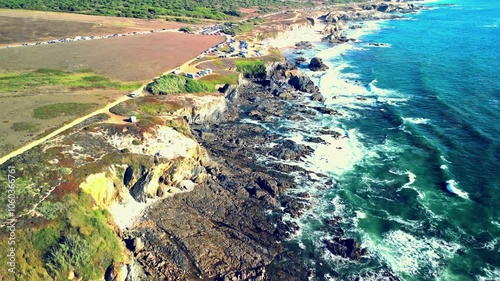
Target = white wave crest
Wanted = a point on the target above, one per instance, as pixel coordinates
(452, 187)
(416, 120)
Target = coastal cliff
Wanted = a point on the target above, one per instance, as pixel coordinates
(228, 227)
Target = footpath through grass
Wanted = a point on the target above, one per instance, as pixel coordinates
(84, 80)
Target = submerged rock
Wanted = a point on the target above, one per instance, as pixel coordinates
(346, 248)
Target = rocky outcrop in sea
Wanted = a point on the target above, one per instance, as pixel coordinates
(337, 21)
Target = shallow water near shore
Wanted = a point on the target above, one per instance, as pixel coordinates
(417, 179)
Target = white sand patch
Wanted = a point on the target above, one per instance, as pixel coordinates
(290, 37)
(128, 211)
(165, 143)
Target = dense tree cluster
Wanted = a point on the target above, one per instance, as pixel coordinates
(209, 9)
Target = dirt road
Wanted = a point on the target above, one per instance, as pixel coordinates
(64, 128)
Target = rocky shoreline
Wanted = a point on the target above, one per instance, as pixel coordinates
(337, 21)
(231, 225)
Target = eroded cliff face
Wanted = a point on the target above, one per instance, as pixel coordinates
(128, 167)
(166, 159)
(282, 31)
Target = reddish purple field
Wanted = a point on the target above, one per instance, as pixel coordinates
(130, 58)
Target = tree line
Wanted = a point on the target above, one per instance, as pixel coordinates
(208, 9)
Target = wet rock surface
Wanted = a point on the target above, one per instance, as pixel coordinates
(317, 64)
(346, 248)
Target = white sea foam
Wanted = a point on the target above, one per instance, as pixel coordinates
(492, 245)
(416, 120)
(379, 45)
(452, 187)
(339, 206)
(444, 159)
(368, 27)
(360, 215)
(336, 156)
(397, 172)
(411, 180)
(491, 273)
(405, 253)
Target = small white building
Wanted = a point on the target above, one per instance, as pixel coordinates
(132, 119)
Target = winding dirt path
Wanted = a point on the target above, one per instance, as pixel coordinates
(32, 144)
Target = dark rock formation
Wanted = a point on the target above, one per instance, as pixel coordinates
(346, 248)
(336, 20)
(289, 150)
(303, 45)
(303, 83)
(137, 190)
(300, 59)
(317, 64)
(128, 176)
(326, 110)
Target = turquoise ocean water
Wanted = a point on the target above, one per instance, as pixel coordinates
(418, 179)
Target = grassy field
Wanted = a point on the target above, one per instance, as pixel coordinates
(63, 109)
(217, 79)
(38, 101)
(30, 81)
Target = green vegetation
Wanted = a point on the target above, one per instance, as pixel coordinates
(63, 109)
(25, 126)
(234, 28)
(174, 84)
(76, 239)
(266, 10)
(208, 9)
(180, 125)
(49, 210)
(216, 79)
(186, 29)
(71, 252)
(251, 68)
(34, 177)
(185, 20)
(32, 80)
(146, 107)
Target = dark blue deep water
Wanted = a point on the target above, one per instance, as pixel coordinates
(418, 179)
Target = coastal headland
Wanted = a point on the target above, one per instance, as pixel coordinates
(188, 191)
